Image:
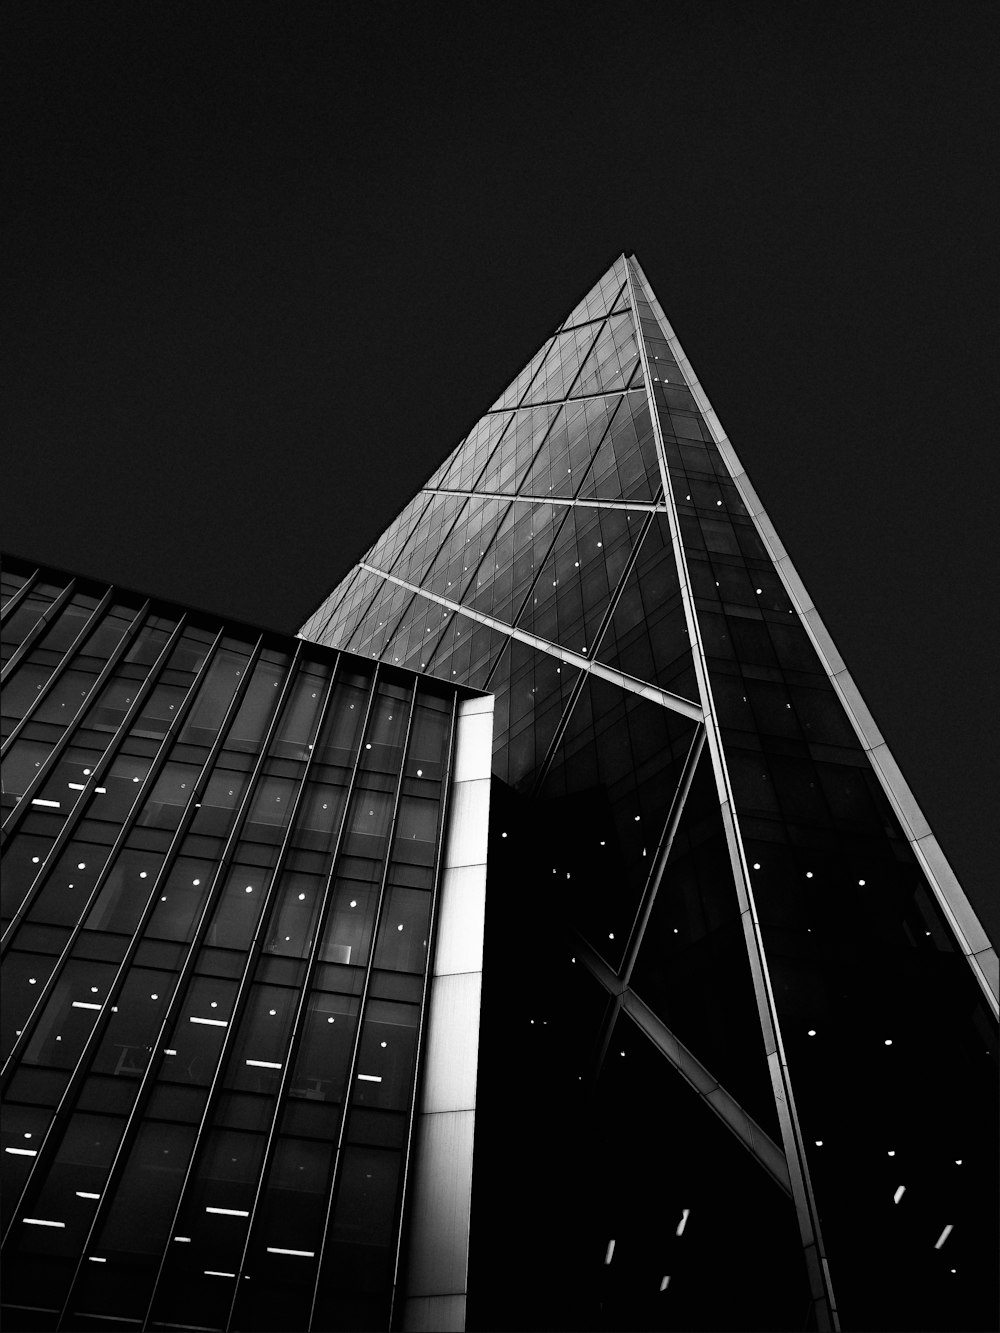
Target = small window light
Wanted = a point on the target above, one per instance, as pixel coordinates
(756, 865)
(302, 897)
(35, 860)
(888, 1041)
(153, 996)
(248, 889)
(861, 883)
(81, 865)
(611, 935)
(196, 882)
(331, 1020)
(819, 1143)
(811, 1032)
(891, 1152)
(899, 1194)
(354, 902)
(809, 874)
(609, 1252)
(503, 835)
(958, 1161)
(400, 926)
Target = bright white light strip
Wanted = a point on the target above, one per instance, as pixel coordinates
(263, 1064)
(301, 1254)
(169, 1050)
(211, 1022)
(94, 1259)
(937, 1244)
(229, 1212)
(103, 790)
(22, 1152)
(186, 1240)
(76, 786)
(214, 1272)
(664, 1282)
(84, 1004)
(685, 1214)
(370, 1078)
(86, 1194)
(43, 1222)
(610, 1251)
(899, 1194)
(37, 800)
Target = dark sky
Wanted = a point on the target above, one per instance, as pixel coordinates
(268, 264)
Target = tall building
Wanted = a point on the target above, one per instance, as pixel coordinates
(228, 856)
(704, 1038)
(771, 948)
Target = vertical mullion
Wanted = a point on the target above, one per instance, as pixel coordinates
(170, 1015)
(252, 956)
(38, 629)
(16, 598)
(662, 853)
(312, 962)
(102, 678)
(362, 1006)
(70, 652)
(73, 818)
(428, 973)
(807, 1213)
(82, 1065)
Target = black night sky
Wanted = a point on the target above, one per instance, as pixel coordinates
(268, 264)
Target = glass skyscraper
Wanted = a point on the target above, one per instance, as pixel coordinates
(705, 1038)
(766, 931)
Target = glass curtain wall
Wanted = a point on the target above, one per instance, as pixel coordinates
(220, 861)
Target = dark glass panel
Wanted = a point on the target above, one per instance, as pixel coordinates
(532, 689)
(511, 563)
(613, 359)
(625, 466)
(560, 464)
(588, 557)
(559, 369)
(466, 651)
(608, 793)
(513, 456)
(455, 565)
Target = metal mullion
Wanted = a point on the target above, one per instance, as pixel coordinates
(575, 693)
(368, 606)
(500, 438)
(362, 1006)
(68, 655)
(16, 598)
(156, 1057)
(571, 501)
(583, 361)
(96, 1033)
(806, 1208)
(281, 1097)
(662, 853)
(252, 957)
(37, 629)
(620, 678)
(102, 678)
(74, 816)
(429, 566)
(412, 529)
(428, 972)
(128, 824)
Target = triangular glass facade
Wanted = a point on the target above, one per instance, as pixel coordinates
(751, 883)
